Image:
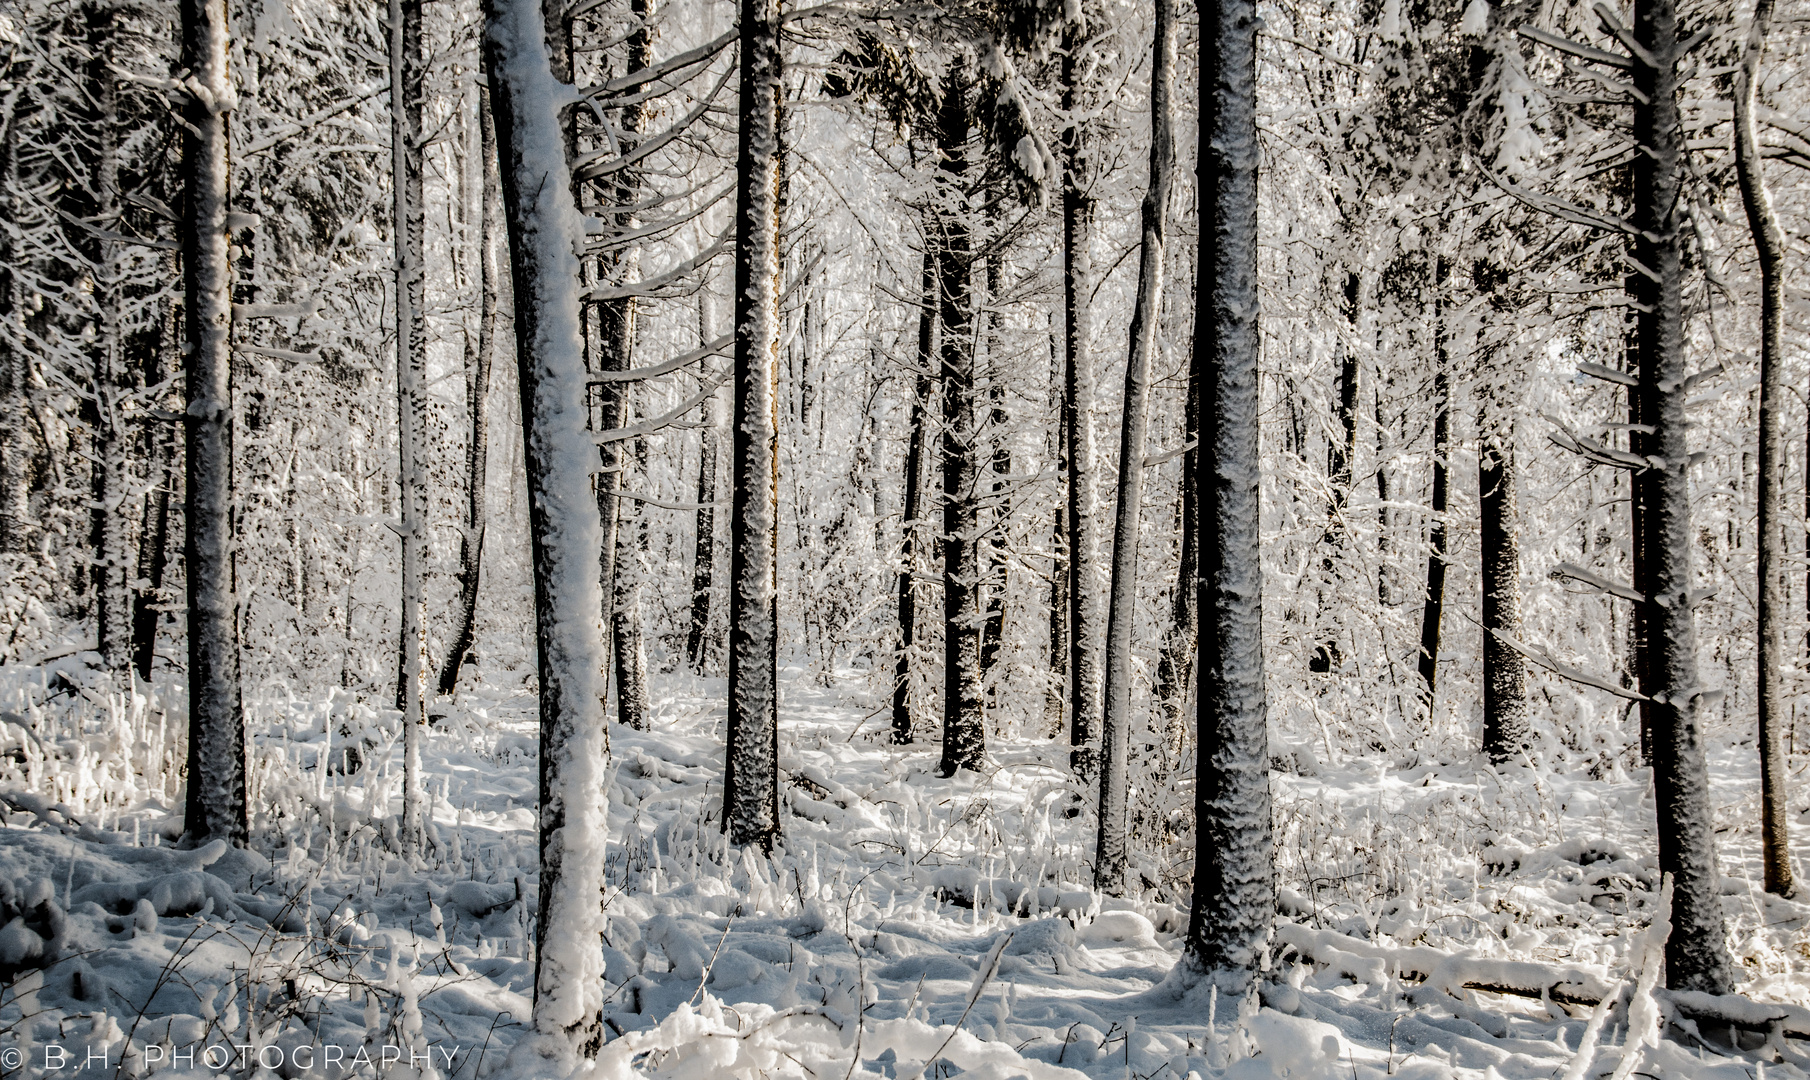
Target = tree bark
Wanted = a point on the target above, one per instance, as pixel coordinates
(703, 557)
(477, 402)
(1057, 693)
(409, 226)
(1112, 843)
(1696, 953)
(1234, 896)
(1077, 418)
(154, 530)
(1769, 245)
(964, 721)
(1175, 668)
(751, 770)
(1505, 731)
(1434, 609)
(216, 760)
(1341, 457)
(110, 518)
(999, 438)
(544, 226)
(15, 361)
(912, 516)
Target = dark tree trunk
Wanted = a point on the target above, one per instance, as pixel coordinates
(1697, 952)
(1769, 243)
(964, 721)
(154, 532)
(477, 401)
(15, 362)
(1057, 694)
(751, 772)
(1434, 609)
(1504, 668)
(912, 516)
(544, 225)
(631, 554)
(703, 558)
(1175, 668)
(1234, 896)
(1000, 439)
(1341, 457)
(1077, 419)
(1112, 842)
(216, 759)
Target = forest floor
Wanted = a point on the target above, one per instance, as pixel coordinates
(909, 925)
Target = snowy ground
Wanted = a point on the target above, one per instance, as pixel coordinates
(910, 926)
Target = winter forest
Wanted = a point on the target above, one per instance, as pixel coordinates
(1023, 539)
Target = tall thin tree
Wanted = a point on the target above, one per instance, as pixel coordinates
(911, 524)
(751, 769)
(1234, 895)
(1433, 610)
(1111, 845)
(216, 756)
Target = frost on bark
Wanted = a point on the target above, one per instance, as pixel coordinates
(1077, 416)
(110, 536)
(1769, 244)
(216, 756)
(1696, 954)
(912, 527)
(409, 227)
(560, 455)
(15, 361)
(478, 363)
(1432, 613)
(1115, 733)
(964, 721)
(1056, 696)
(631, 557)
(1234, 880)
(751, 770)
(1505, 731)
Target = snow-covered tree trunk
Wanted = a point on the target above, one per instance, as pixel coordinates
(545, 230)
(999, 436)
(1234, 897)
(1055, 697)
(1341, 458)
(15, 361)
(216, 755)
(1078, 414)
(964, 721)
(1111, 846)
(154, 521)
(913, 514)
(1433, 611)
(631, 554)
(1697, 952)
(109, 469)
(751, 771)
(1769, 244)
(409, 229)
(478, 363)
(1505, 731)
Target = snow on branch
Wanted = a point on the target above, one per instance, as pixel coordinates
(666, 420)
(665, 367)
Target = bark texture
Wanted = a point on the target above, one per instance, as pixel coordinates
(1234, 896)
(1505, 730)
(912, 518)
(751, 772)
(1697, 952)
(1432, 613)
(216, 759)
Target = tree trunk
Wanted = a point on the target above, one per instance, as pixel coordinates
(1696, 953)
(1434, 609)
(110, 518)
(912, 516)
(1234, 897)
(1769, 244)
(1175, 668)
(631, 554)
(1341, 458)
(15, 360)
(964, 721)
(1505, 730)
(751, 770)
(544, 227)
(216, 761)
(1057, 693)
(1112, 844)
(409, 226)
(703, 557)
(477, 401)
(998, 568)
(1638, 493)
(154, 531)
(1077, 420)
